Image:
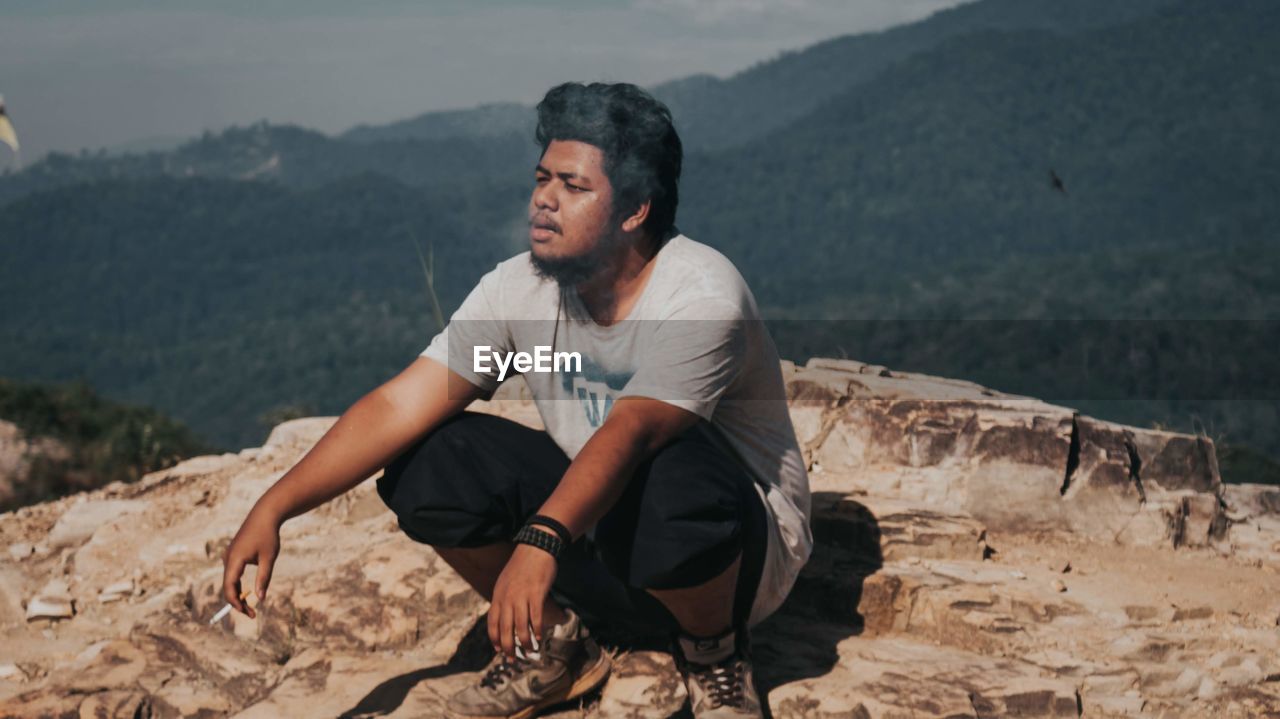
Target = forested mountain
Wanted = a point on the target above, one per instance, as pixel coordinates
(221, 301)
(493, 120)
(1161, 131)
(294, 157)
(268, 268)
(99, 441)
(712, 113)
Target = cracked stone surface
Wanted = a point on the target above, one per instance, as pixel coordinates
(978, 555)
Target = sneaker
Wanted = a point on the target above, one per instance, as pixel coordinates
(568, 664)
(718, 676)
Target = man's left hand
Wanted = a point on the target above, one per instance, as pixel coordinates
(518, 597)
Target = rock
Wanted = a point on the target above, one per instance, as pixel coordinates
(50, 608)
(296, 436)
(116, 592)
(17, 454)
(1243, 674)
(19, 551)
(52, 602)
(84, 518)
(1188, 682)
(943, 515)
(1208, 690)
(1184, 614)
(11, 672)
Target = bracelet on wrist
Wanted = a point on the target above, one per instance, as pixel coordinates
(542, 520)
(549, 543)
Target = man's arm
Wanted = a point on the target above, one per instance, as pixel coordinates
(635, 429)
(371, 433)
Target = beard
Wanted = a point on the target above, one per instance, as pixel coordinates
(574, 270)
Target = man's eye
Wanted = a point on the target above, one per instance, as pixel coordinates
(574, 188)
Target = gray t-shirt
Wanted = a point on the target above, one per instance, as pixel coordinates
(694, 339)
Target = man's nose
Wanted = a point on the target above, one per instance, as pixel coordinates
(544, 197)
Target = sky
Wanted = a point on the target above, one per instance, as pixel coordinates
(108, 73)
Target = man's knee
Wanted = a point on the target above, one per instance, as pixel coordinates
(680, 522)
(440, 491)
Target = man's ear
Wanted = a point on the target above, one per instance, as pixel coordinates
(637, 218)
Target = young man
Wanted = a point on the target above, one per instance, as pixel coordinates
(668, 490)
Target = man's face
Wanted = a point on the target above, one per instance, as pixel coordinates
(571, 229)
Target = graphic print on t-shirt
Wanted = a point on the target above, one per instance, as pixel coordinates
(595, 389)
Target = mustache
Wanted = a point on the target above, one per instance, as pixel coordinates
(541, 221)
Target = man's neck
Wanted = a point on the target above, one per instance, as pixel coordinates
(612, 294)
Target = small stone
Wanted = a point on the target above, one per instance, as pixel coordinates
(20, 551)
(1187, 682)
(1059, 586)
(11, 672)
(1017, 574)
(41, 608)
(52, 602)
(116, 592)
(1208, 690)
(1245, 673)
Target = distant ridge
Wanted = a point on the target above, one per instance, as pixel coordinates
(714, 113)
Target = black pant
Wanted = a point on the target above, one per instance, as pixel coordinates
(685, 515)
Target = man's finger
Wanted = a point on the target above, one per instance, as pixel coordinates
(535, 618)
(231, 582)
(493, 624)
(520, 617)
(266, 562)
(505, 635)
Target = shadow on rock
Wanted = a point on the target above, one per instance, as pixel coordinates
(800, 640)
(472, 654)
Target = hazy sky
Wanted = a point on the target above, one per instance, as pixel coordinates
(91, 74)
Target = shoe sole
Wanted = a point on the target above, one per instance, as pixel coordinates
(586, 682)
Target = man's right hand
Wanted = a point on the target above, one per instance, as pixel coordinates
(257, 542)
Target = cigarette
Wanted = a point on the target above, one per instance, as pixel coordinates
(221, 613)
(226, 609)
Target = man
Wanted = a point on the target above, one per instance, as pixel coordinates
(668, 490)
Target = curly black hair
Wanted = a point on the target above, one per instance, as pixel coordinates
(642, 152)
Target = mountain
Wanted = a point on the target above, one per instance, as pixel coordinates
(270, 269)
(295, 157)
(486, 121)
(713, 113)
(1160, 129)
(223, 301)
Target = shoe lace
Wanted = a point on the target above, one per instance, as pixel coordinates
(723, 682)
(503, 671)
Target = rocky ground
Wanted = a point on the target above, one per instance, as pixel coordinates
(978, 555)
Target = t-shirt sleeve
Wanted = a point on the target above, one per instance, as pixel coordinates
(478, 322)
(691, 358)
